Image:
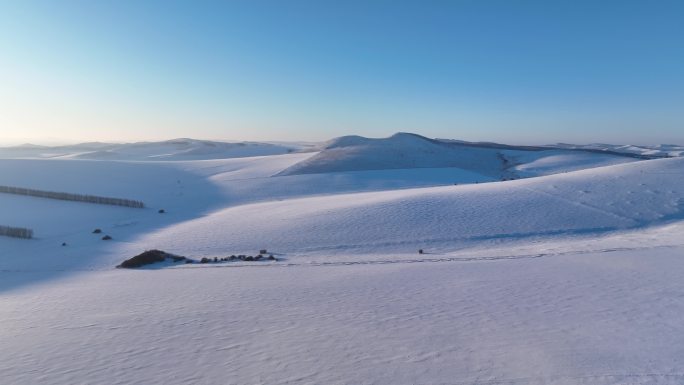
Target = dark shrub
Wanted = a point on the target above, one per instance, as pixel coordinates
(106, 238)
(250, 258)
(420, 251)
(271, 258)
(232, 257)
(148, 257)
(97, 231)
(161, 211)
(205, 260)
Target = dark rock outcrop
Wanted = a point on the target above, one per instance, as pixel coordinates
(149, 257)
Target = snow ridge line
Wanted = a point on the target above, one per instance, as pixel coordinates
(446, 259)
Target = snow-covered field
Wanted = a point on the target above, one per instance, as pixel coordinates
(570, 273)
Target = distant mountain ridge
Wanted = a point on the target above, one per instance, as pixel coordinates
(174, 149)
(409, 143)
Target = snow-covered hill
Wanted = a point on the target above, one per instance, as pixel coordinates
(442, 218)
(243, 204)
(491, 161)
(400, 151)
(177, 149)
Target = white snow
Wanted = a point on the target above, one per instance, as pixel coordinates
(570, 276)
(440, 218)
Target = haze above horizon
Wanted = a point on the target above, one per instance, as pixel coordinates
(529, 72)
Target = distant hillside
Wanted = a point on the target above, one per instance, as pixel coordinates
(645, 152)
(177, 149)
(347, 153)
(400, 151)
(410, 151)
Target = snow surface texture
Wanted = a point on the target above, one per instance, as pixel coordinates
(570, 277)
(603, 318)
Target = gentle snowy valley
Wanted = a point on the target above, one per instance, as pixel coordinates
(557, 264)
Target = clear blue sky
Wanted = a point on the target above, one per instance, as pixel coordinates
(509, 71)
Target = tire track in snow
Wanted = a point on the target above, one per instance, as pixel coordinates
(582, 205)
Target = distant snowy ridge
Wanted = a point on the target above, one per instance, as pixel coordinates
(642, 151)
(176, 149)
(407, 151)
(400, 151)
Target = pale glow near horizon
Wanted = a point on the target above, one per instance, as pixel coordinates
(145, 71)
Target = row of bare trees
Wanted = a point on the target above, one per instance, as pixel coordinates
(16, 232)
(71, 197)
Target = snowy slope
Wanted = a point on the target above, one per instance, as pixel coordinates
(572, 278)
(547, 162)
(604, 318)
(492, 161)
(183, 189)
(400, 151)
(238, 205)
(441, 218)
